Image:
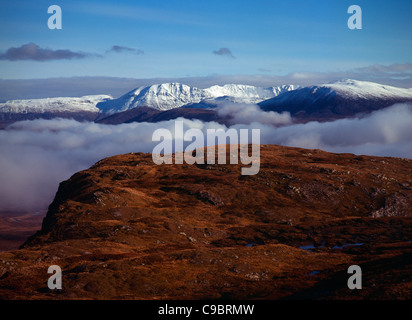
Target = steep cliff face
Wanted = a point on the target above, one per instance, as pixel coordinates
(127, 228)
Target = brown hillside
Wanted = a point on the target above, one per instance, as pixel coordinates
(129, 229)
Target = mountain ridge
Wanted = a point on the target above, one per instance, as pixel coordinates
(344, 98)
(58, 104)
(336, 100)
(168, 96)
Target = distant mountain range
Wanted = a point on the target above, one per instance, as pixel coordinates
(345, 98)
(81, 109)
(340, 99)
(169, 96)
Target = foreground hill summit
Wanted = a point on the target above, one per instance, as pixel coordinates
(129, 229)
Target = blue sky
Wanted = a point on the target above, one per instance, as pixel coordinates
(178, 38)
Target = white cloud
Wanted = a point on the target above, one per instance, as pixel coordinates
(382, 128)
(249, 113)
(37, 155)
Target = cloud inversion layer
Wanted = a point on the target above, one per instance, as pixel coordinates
(37, 155)
(32, 51)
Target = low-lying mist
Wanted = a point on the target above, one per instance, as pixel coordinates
(37, 155)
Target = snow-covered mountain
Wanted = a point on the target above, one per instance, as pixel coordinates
(337, 100)
(168, 96)
(161, 97)
(345, 98)
(54, 105)
(246, 94)
(367, 90)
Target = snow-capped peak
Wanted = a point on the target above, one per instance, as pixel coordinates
(168, 96)
(160, 96)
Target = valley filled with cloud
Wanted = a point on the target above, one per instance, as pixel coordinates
(37, 155)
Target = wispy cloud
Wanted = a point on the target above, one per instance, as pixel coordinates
(32, 51)
(393, 68)
(119, 49)
(81, 86)
(224, 52)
